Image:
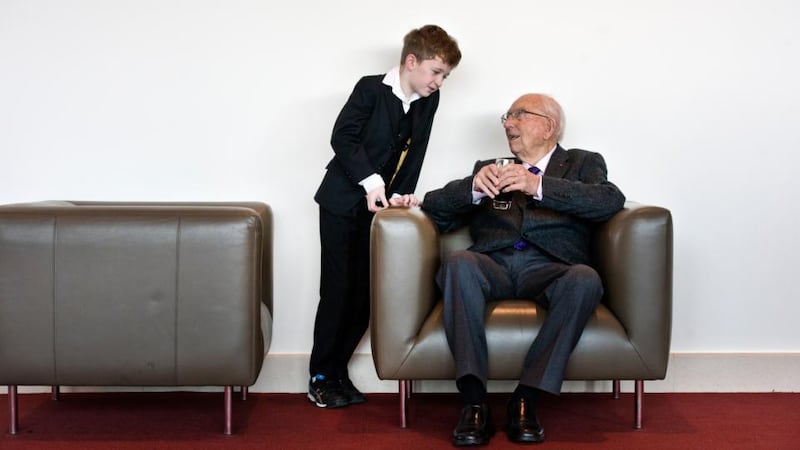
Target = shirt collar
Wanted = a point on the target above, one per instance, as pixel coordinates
(392, 79)
(544, 161)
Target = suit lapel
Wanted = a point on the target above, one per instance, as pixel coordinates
(417, 119)
(559, 163)
(394, 108)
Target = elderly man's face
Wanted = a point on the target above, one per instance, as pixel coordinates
(527, 127)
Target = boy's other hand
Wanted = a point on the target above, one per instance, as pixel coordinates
(376, 199)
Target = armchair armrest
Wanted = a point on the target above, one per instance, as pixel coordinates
(634, 256)
(404, 259)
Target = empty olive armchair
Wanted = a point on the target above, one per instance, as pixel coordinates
(627, 338)
(134, 294)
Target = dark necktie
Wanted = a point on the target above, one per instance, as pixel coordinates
(522, 243)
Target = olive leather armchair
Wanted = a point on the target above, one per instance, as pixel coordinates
(627, 338)
(134, 294)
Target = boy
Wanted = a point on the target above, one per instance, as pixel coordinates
(379, 141)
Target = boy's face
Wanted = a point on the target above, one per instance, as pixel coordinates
(424, 77)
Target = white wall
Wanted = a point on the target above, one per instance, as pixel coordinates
(693, 104)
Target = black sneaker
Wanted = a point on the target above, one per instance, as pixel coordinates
(354, 396)
(326, 393)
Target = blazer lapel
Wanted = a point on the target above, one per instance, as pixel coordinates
(559, 163)
(394, 108)
(419, 119)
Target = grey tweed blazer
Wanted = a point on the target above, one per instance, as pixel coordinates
(576, 196)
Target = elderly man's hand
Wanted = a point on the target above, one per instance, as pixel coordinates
(515, 177)
(486, 180)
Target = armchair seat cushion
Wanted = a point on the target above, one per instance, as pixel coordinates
(511, 326)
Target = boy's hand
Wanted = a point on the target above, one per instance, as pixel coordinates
(407, 201)
(377, 195)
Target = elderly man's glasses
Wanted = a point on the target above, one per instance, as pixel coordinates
(516, 114)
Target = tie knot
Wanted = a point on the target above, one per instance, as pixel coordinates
(534, 170)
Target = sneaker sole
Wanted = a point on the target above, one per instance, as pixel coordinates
(313, 399)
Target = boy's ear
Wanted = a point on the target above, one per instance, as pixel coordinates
(410, 61)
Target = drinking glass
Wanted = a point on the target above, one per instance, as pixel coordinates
(502, 200)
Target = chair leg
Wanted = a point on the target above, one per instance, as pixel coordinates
(55, 392)
(637, 403)
(244, 393)
(615, 389)
(405, 387)
(13, 413)
(228, 409)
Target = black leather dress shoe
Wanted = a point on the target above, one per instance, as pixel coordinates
(521, 422)
(474, 426)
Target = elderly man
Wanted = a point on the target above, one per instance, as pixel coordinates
(530, 221)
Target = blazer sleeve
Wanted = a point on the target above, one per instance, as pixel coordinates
(451, 207)
(590, 197)
(346, 140)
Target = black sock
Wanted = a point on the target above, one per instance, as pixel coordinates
(530, 394)
(473, 392)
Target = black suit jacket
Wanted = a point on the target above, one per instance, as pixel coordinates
(576, 194)
(364, 141)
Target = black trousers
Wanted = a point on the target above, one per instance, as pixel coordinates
(469, 280)
(343, 310)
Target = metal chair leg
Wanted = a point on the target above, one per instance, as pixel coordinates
(615, 389)
(637, 403)
(228, 410)
(55, 392)
(405, 387)
(244, 393)
(13, 413)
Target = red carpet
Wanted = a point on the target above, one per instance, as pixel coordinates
(288, 421)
